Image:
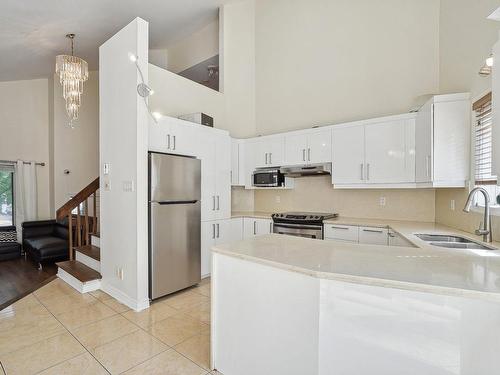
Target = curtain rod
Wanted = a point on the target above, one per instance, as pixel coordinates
(15, 162)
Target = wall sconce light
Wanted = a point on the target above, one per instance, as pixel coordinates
(486, 68)
(143, 89)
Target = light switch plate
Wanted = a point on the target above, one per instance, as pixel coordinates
(382, 201)
(452, 204)
(106, 168)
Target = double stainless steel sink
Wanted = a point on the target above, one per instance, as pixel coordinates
(453, 242)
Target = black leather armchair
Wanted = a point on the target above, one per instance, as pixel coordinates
(45, 240)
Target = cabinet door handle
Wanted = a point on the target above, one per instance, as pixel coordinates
(372, 230)
(213, 202)
(218, 230)
(303, 154)
(362, 171)
(265, 157)
(271, 227)
(213, 231)
(270, 158)
(427, 166)
(168, 141)
(343, 228)
(254, 227)
(174, 142)
(309, 154)
(367, 171)
(218, 203)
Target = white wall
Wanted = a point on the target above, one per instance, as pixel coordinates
(237, 66)
(466, 38)
(194, 49)
(123, 144)
(75, 149)
(24, 131)
(175, 95)
(328, 61)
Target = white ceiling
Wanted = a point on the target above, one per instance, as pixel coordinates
(32, 32)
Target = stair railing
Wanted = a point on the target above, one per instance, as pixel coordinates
(90, 225)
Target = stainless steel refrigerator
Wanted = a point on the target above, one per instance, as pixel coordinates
(174, 223)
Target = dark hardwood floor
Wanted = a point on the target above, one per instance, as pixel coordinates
(19, 277)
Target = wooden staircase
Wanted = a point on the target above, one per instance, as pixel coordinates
(82, 270)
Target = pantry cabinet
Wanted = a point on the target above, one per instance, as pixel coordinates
(442, 141)
(216, 233)
(310, 147)
(214, 151)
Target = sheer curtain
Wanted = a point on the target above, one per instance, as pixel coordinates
(25, 194)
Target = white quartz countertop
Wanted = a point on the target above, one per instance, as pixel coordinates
(472, 273)
(252, 214)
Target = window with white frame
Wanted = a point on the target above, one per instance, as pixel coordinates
(6, 195)
(483, 151)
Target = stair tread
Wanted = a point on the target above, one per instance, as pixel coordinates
(90, 251)
(97, 234)
(79, 270)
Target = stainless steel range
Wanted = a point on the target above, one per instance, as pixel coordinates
(301, 224)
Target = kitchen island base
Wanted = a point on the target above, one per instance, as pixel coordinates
(267, 320)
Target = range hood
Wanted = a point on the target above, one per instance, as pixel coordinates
(307, 170)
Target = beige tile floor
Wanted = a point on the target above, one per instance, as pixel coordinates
(57, 330)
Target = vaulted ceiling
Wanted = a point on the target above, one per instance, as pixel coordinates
(32, 32)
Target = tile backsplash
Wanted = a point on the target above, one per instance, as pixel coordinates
(317, 194)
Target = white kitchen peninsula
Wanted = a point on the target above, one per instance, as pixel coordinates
(287, 305)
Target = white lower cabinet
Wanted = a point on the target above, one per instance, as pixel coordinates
(349, 233)
(256, 227)
(215, 233)
(357, 234)
(373, 236)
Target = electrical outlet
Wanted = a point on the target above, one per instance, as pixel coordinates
(452, 204)
(382, 201)
(278, 199)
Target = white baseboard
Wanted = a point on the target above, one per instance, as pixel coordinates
(88, 261)
(123, 298)
(89, 286)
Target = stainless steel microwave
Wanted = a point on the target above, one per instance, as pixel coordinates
(269, 177)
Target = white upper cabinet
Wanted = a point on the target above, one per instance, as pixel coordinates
(173, 136)
(319, 144)
(348, 166)
(375, 153)
(311, 147)
(235, 162)
(386, 152)
(442, 141)
(268, 151)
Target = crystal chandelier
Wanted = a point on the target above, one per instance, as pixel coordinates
(72, 71)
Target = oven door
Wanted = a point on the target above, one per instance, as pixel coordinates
(299, 230)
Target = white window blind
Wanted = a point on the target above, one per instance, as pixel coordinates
(483, 144)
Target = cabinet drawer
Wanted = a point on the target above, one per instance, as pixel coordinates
(373, 235)
(341, 232)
